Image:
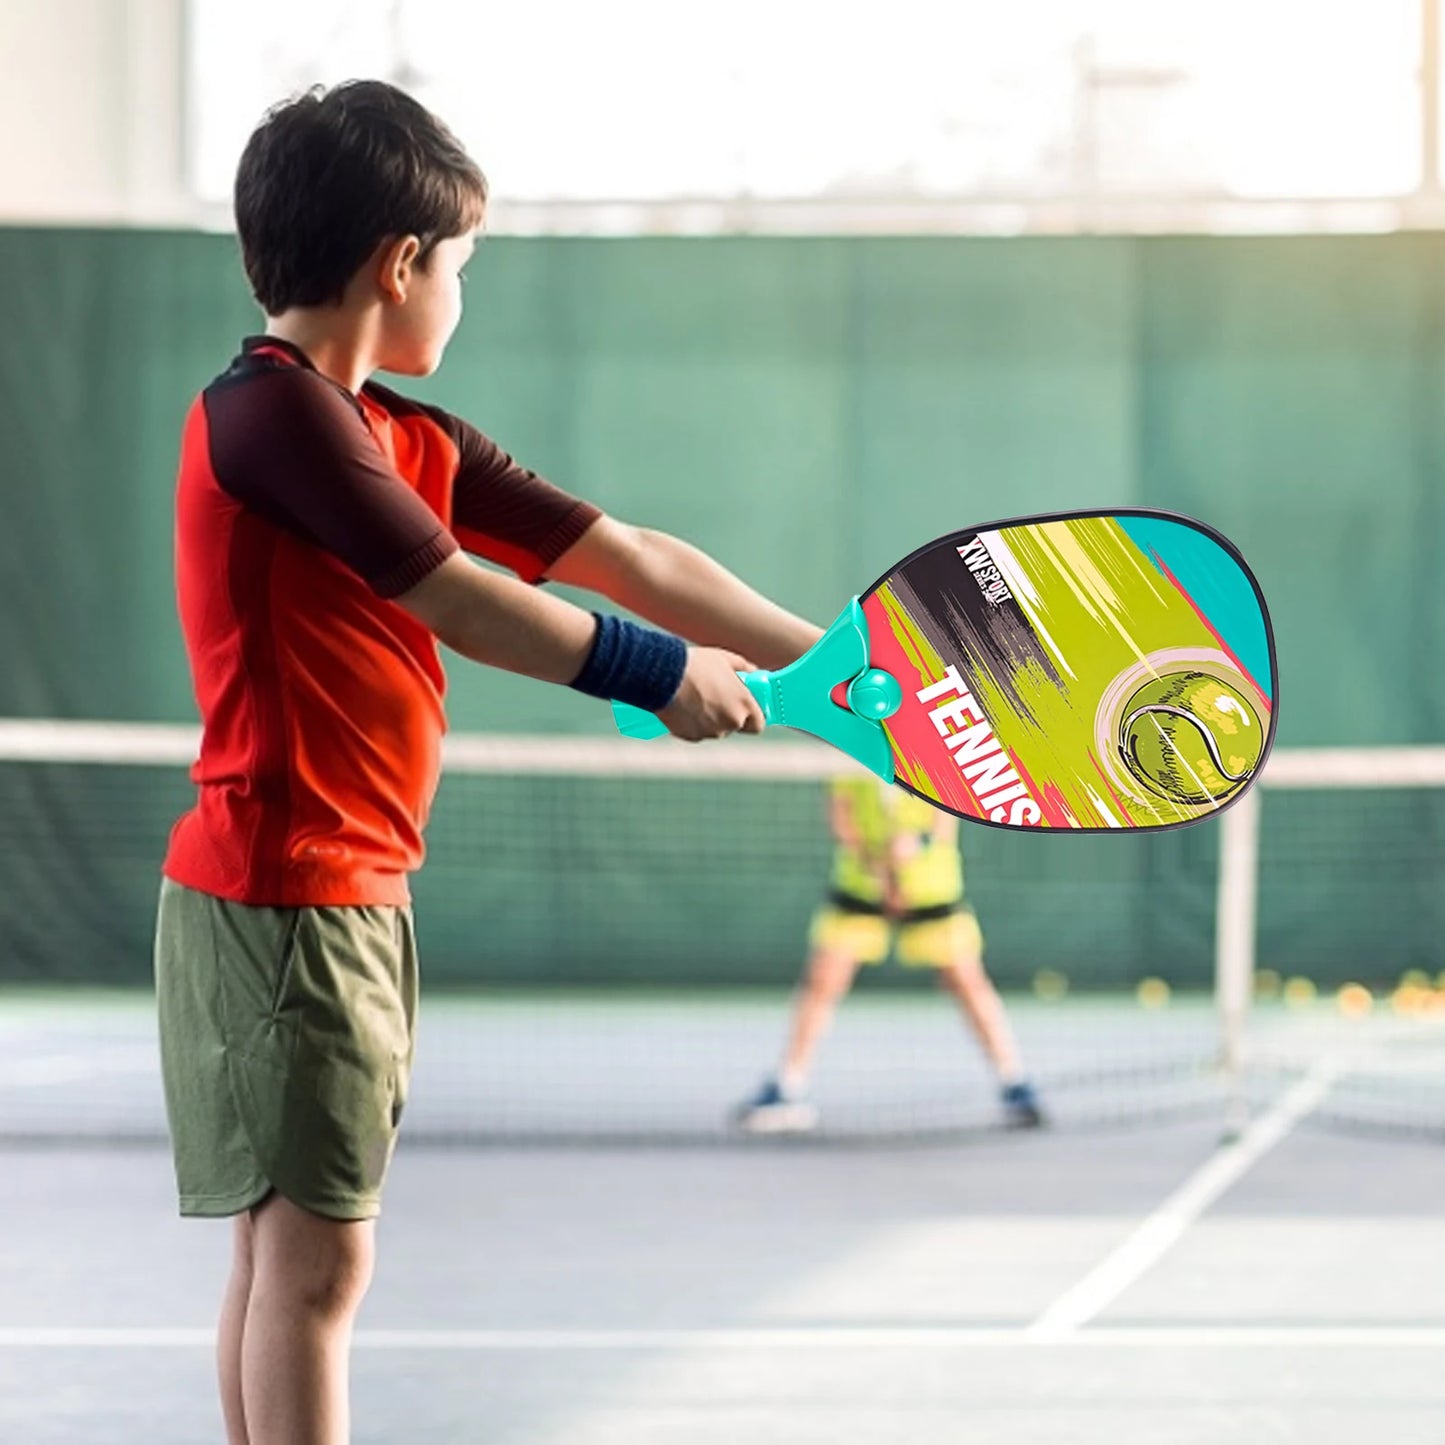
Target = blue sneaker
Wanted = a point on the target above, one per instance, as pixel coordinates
(1021, 1109)
(773, 1110)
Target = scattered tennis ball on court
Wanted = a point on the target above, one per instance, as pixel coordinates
(1050, 985)
(1414, 994)
(1190, 737)
(1299, 992)
(1354, 1000)
(1266, 984)
(1409, 998)
(1152, 993)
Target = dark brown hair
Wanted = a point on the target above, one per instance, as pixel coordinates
(329, 175)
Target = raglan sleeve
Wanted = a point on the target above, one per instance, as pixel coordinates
(290, 446)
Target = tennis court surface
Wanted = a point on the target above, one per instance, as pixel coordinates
(1117, 1287)
(914, 1274)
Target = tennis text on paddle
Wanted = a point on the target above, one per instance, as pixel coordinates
(960, 722)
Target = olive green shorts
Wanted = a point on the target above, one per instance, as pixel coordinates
(286, 1046)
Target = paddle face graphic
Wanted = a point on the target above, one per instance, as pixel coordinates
(1086, 671)
(1089, 671)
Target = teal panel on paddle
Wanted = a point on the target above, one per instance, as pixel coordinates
(1214, 582)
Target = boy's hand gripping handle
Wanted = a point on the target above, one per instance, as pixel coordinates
(801, 696)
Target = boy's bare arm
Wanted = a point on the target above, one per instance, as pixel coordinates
(677, 586)
(504, 623)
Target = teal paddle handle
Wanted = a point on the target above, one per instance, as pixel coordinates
(760, 684)
(801, 696)
(637, 722)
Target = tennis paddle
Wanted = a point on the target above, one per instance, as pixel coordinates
(1083, 670)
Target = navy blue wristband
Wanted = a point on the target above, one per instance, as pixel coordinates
(633, 664)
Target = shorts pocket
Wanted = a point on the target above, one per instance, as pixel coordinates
(255, 951)
(286, 963)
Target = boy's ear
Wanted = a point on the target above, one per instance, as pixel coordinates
(395, 263)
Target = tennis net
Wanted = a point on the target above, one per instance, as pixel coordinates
(610, 934)
(1331, 938)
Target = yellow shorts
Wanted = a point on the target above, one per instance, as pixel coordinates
(868, 937)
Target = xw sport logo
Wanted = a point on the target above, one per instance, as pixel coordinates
(985, 572)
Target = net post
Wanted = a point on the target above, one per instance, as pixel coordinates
(1234, 943)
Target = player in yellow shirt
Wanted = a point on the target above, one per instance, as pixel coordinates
(897, 882)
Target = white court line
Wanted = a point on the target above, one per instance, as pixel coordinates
(43, 1069)
(1166, 1225)
(46, 1069)
(1306, 1337)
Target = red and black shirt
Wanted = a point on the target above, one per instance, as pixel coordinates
(301, 510)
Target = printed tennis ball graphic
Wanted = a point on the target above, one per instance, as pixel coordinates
(1190, 737)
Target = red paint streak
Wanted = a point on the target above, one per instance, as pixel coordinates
(1027, 779)
(1109, 787)
(915, 741)
(1056, 808)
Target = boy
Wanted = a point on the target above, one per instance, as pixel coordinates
(321, 523)
(897, 874)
